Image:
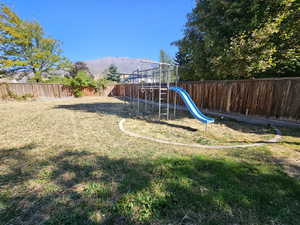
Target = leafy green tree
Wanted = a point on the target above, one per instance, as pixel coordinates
(24, 47)
(240, 39)
(112, 73)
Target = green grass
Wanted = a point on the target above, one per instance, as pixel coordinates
(66, 162)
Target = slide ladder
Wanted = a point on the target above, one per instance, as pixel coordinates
(190, 104)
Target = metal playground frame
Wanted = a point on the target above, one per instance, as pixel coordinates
(149, 81)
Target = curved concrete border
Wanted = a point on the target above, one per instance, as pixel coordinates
(273, 140)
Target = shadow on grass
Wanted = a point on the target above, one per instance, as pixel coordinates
(171, 125)
(81, 187)
(267, 142)
(259, 129)
(119, 109)
(123, 111)
(244, 127)
(16, 152)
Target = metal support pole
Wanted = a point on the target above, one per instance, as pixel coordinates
(152, 100)
(146, 101)
(152, 91)
(130, 93)
(159, 102)
(168, 92)
(138, 98)
(175, 95)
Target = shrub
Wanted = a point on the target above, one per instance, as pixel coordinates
(80, 81)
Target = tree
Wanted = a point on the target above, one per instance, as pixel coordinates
(240, 39)
(24, 47)
(112, 73)
(80, 66)
(183, 59)
(164, 57)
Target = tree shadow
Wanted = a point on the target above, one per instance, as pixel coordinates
(249, 128)
(118, 109)
(82, 187)
(19, 151)
(170, 124)
(258, 128)
(15, 166)
(285, 132)
(124, 111)
(268, 142)
(292, 132)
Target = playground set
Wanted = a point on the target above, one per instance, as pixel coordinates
(161, 78)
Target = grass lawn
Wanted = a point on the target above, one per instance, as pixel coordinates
(187, 130)
(67, 162)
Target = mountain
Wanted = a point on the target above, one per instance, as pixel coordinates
(124, 64)
(97, 67)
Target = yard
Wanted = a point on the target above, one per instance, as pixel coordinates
(67, 162)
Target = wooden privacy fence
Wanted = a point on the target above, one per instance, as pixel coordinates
(273, 98)
(37, 90)
(46, 90)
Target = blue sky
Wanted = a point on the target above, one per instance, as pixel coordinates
(93, 29)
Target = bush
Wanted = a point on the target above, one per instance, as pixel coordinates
(80, 81)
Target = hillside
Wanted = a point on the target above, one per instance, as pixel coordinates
(97, 67)
(124, 64)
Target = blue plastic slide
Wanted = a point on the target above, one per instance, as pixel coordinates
(190, 104)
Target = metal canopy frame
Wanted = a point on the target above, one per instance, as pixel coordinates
(158, 77)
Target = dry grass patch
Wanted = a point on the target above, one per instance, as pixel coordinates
(190, 131)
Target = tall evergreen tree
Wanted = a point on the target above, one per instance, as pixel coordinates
(112, 73)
